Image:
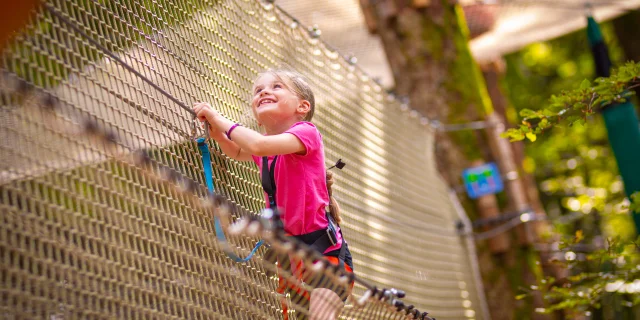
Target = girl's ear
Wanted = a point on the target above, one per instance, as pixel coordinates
(304, 107)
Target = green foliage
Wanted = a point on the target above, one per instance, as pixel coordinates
(635, 202)
(573, 165)
(575, 169)
(607, 273)
(573, 107)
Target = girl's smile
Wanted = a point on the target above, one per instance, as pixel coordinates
(265, 101)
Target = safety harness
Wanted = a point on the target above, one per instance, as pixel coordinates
(318, 240)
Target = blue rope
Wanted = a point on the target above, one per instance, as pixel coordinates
(206, 163)
(208, 177)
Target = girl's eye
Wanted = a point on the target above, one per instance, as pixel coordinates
(258, 90)
(277, 86)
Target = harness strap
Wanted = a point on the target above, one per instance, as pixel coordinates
(269, 180)
(319, 240)
(343, 245)
(208, 178)
(206, 163)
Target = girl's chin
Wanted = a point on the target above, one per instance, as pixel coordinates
(269, 109)
(266, 108)
(266, 116)
(268, 105)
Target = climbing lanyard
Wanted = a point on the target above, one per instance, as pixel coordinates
(208, 177)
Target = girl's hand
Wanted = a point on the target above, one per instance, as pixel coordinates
(205, 112)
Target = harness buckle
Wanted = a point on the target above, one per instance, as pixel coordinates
(331, 232)
(332, 237)
(195, 125)
(194, 128)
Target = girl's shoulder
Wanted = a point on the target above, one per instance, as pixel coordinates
(304, 127)
(308, 134)
(304, 124)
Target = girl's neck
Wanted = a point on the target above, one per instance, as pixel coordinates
(279, 127)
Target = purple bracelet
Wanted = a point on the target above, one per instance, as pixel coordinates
(228, 132)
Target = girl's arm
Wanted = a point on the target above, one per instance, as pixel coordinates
(205, 112)
(251, 142)
(246, 142)
(230, 148)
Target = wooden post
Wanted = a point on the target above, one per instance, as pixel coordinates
(513, 185)
(488, 208)
(503, 153)
(493, 72)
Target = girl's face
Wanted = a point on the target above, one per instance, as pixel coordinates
(274, 102)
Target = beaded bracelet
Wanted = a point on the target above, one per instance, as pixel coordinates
(228, 132)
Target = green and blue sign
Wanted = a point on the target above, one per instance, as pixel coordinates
(482, 180)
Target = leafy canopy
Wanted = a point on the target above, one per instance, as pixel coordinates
(574, 106)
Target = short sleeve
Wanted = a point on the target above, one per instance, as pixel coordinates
(308, 134)
(257, 160)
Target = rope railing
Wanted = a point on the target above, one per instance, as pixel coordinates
(105, 213)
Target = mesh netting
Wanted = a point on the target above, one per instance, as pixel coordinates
(104, 209)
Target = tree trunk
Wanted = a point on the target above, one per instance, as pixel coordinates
(432, 67)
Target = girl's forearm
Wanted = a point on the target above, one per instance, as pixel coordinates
(247, 139)
(228, 147)
(243, 138)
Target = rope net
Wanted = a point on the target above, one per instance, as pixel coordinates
(104, 209)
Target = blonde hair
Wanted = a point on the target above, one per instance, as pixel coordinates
(297, 84)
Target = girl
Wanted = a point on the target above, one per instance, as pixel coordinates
(290, 156)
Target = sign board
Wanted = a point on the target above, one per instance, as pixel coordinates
(482, 180)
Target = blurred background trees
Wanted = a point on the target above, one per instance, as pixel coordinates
(577, 175)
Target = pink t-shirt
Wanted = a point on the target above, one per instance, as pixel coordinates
(301, 185)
